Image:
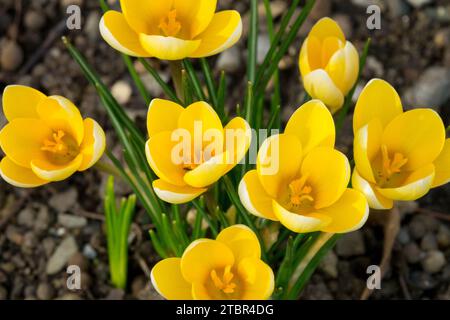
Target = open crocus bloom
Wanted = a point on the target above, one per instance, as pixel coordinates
(398, 155)
(228, 268)
(301, 180)
(46, 138)
(170, 29)
(189, 149)
(329, 64)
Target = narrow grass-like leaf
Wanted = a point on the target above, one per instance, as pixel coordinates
(209, 79)
(164, 86)
(137, 80)
(195, 82)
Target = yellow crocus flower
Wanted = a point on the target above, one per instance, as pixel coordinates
(189, 149)
(171, 29)
(301, 180)
(329, 64)
(398, 155)
(46, 138)
(228, 268)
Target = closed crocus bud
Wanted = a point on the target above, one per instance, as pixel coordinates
(329, 65)
(46, 139)
(170, 29)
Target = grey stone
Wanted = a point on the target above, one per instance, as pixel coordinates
(431, 90)
(11, 56)
(419, 3)
(230, 60)
(351, 244)
(429, 242)
(434, 261)
(263, 47)
(64, 201)
(66, 249)
(443, 236)
(26, 217)
(45, 291)
(329, 265)
(412, 253)
(71, 221)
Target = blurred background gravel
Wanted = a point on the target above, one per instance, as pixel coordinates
(44, 230)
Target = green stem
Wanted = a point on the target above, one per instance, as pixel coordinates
(175, 69)
(252, 41)
(234, 197)
(204, 215)
(137, 80)
(212, 91)
(322, 245)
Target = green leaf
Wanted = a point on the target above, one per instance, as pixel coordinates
(252, 41)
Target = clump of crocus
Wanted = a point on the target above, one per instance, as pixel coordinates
(301, 180)
(398, 155)
(46, 138)
(189, 149)
(171, 29)
(329, 64)
(228, 268)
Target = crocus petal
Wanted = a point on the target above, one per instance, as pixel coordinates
(200, 292)
(259, 279)
(202, 118)
(242, 241)
(145, 16)
(300, 223)
(51, 172)
(222, 33)
(202, 256)
(254, 198)
(61, 114)
(176, 194)
(374, 198)
(442, 166)
(328, 172)
(415, 186)
(319, 85)
(119, 35)
(22, 139)
(366, 146)
(21, 102)
(208, 172)
(238, 137)
(348, 214)
(304, 60)
(419, 135)
(167, 279)
(159, 150)
(93, 144)
(168, 48)
(326, 28)
(195, 13)
(19, 176)
(378, 100)
(162, 116)
(343, 67)
(313, 125)
(279, 160)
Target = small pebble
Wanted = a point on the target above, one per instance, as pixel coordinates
(34, 20)
(45, 291)
(121, 90)
(412, 253)
(429, 242)
(434, 261)
(11, 56)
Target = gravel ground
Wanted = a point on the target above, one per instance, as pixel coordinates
(44, 230)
